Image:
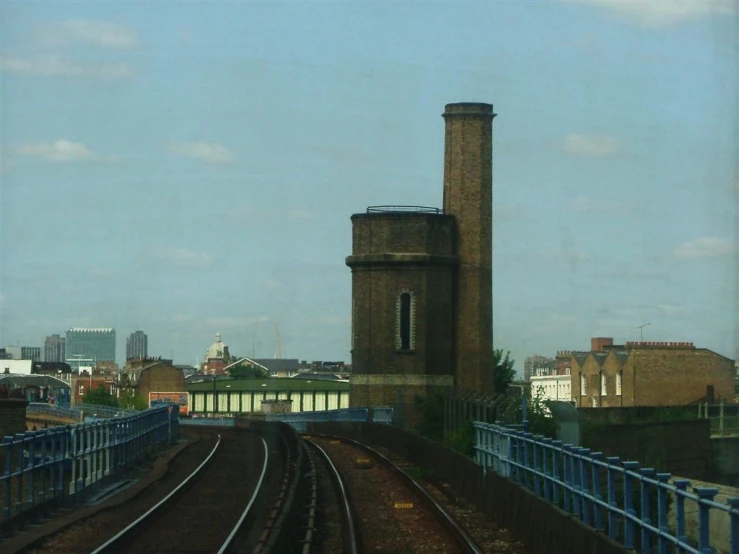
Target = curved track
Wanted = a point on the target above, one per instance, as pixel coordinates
(385, 520)
(199, 515)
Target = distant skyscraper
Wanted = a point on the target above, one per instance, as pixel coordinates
(54, 349)
(96, 345)
(24, 352)
(531, 363)
(137, 345)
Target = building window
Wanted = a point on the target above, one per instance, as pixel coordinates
(582, 385)
(82, 390)
(405, 316)
(618, 384)
(602, 384)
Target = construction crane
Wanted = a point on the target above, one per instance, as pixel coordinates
(278, 343)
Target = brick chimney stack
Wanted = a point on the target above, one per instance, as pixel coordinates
(468, 196)
(597, 344)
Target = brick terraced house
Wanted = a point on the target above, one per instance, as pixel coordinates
(649, 374)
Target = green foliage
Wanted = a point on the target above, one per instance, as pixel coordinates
(463, 439)
(503, 372)
(100, 397)
(541, 421)
(246, 370)
(430, 411)
(132, 401)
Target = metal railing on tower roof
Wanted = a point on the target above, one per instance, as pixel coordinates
(404, 209)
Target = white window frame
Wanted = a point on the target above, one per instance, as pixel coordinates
(618, 383)
(603, 391)
(583, 385)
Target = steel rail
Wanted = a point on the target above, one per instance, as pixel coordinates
(257, 489)
(158, 505)
(227, 543)
(463, 539)
(348, 527)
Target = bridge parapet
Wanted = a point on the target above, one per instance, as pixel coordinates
(57, 464)
(629, 503)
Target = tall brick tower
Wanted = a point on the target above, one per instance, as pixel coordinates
(422, 293)
(468, 196)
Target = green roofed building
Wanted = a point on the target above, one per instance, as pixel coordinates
(232, 396)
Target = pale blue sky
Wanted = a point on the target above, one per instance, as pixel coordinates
(190, 168)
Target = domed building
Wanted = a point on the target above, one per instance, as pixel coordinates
(216, 358)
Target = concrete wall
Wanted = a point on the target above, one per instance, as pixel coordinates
(725, 460)
(678, 447)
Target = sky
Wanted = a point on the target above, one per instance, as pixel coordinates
(190, 168)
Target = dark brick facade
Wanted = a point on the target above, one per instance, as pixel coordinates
(12, 416)
(444, 262)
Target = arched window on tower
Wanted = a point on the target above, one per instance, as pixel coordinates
(405, 324)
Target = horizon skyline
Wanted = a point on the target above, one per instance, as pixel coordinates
(191, 169)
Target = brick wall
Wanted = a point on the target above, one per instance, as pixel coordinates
(160, 378)
(12, 416)
(652, 377)
(468, 196)
(394, 253)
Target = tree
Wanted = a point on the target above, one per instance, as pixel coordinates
(129, 400)
(100, 397)
(503, 372)
(245, 370)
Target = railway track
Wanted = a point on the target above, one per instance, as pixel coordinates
(235, 498)
(160, 528)
(381, 507)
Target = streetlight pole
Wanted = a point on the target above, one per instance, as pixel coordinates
(641, 329)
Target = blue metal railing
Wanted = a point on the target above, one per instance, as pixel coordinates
(77, 411)
(57, 463)
(300, 420)
(617, 497)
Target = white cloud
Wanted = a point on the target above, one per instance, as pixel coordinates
(213, 153)
(672, 310)
(60, 151)
(98, 33)
(271, 285)
(59, 66)
(661, 13)
(590, 145)
(706, 247)
(583, 204)
(183, 258)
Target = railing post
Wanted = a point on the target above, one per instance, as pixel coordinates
(7, 448)
(612, 500)
(734, 514)
(646, 473)
(662, 479)
(558, 478)
(597, 498)
(704, 536)
(680, 495)
(567, 467)
(631, 468)
(585, 498)
(546, 451)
